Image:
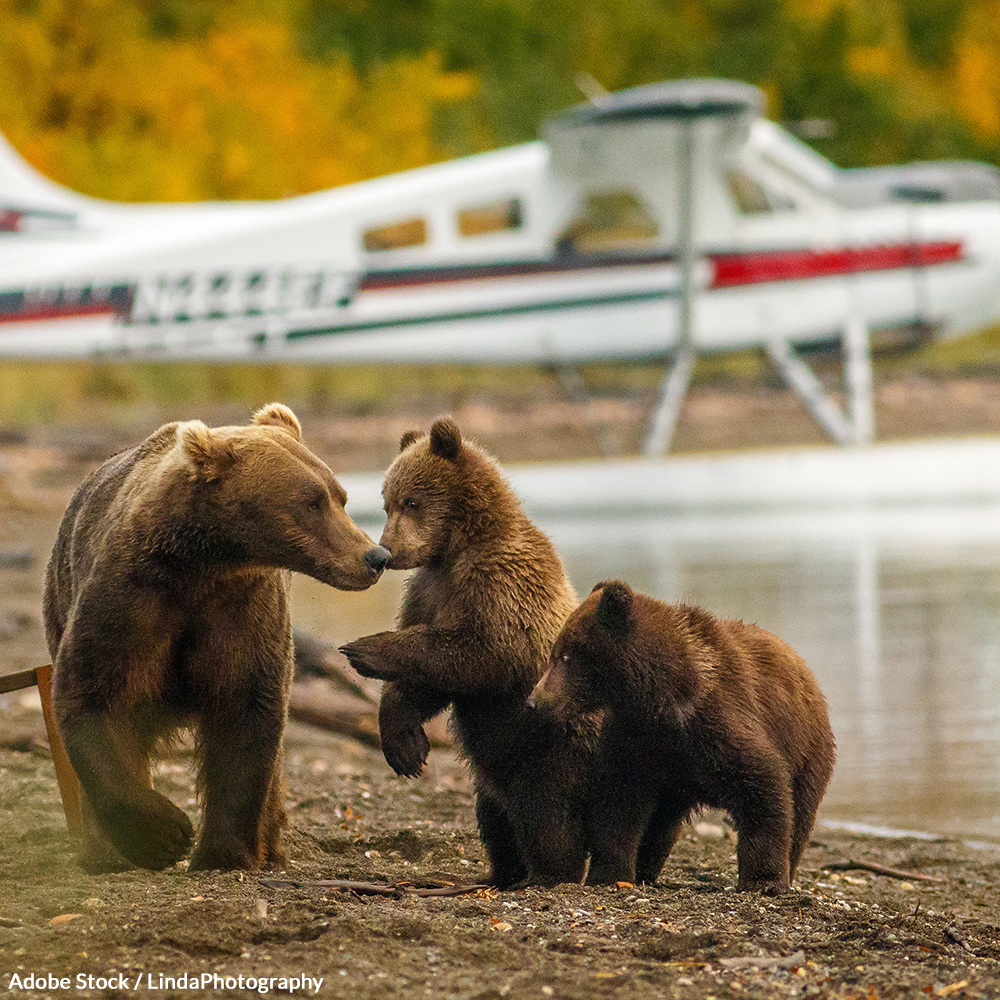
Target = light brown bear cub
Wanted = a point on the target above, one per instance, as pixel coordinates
(166, 603)
(699, 712)
(478, 619)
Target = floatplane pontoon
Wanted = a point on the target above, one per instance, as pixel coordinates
(664, 220)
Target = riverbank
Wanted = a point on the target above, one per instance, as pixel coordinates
(543, 425)
(845, 933)
(931, 930)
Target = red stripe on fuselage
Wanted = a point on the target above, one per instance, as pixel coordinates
(798, 265)
(730, 269)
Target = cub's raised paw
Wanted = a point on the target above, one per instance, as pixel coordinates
(364, 656)
(406, 750)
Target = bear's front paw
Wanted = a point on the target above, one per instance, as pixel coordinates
(223, 854)
(364, 656)
(610, 872)
(406, 750)
(150, 830)
(765, 886)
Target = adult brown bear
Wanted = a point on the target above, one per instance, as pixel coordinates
(166, 603)
(699, 712)
(478, 618)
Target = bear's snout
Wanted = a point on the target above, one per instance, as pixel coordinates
(550, 688)
(377, 558)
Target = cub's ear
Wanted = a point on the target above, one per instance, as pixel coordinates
(209, 457)
(446, 438)
(614, 610)
(408, 438)
(278, 415)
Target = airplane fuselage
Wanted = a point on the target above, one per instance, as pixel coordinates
(560, 250)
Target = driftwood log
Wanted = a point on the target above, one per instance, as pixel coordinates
(394, 889)
(869, 866)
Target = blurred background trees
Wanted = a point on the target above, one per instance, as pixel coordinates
(188, 99)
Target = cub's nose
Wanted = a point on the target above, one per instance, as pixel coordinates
(377, 558)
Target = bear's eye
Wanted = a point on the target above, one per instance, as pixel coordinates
(565, 657)
(316, 501)
(410, 504)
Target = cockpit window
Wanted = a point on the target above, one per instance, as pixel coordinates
(491, 217)
(752, 198)
(610, 220)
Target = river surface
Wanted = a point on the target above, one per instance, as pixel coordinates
(896, 610)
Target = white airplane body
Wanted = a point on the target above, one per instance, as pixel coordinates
(562, 250)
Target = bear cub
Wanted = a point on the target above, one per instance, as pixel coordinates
(486, 601)
(698, 712)
(166, 604)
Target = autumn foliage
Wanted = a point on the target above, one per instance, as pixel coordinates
(189, 99)
(96, 100)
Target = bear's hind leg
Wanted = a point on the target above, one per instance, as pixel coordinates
(614, 847)
(763, 844)
(554, 843)
(111, 758)
(507, 864)
(808, 789)
(621, 804)
(659, 838)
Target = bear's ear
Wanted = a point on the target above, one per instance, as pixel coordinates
(278, 415)
(209, 457)
(408, 438)
(446, 438)
(614, 610)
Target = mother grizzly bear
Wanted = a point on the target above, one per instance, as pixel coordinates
(166, 603)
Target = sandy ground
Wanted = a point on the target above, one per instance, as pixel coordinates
(838, 933)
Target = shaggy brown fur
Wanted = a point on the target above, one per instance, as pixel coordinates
(477, 622)
(700, 712)
(166, 602)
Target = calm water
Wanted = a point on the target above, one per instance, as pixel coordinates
(897, 611)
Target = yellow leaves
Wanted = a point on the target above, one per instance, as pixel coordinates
(239, 113)
(873, 60)
(975, 87)
(817, 10)
(967, 85)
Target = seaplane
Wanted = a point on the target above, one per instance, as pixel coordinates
(664, 220)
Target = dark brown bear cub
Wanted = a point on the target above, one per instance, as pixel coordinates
(699, 712)
(166, 603)
(478, 619)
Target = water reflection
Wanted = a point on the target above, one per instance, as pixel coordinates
(897, 611)
(903, 633)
